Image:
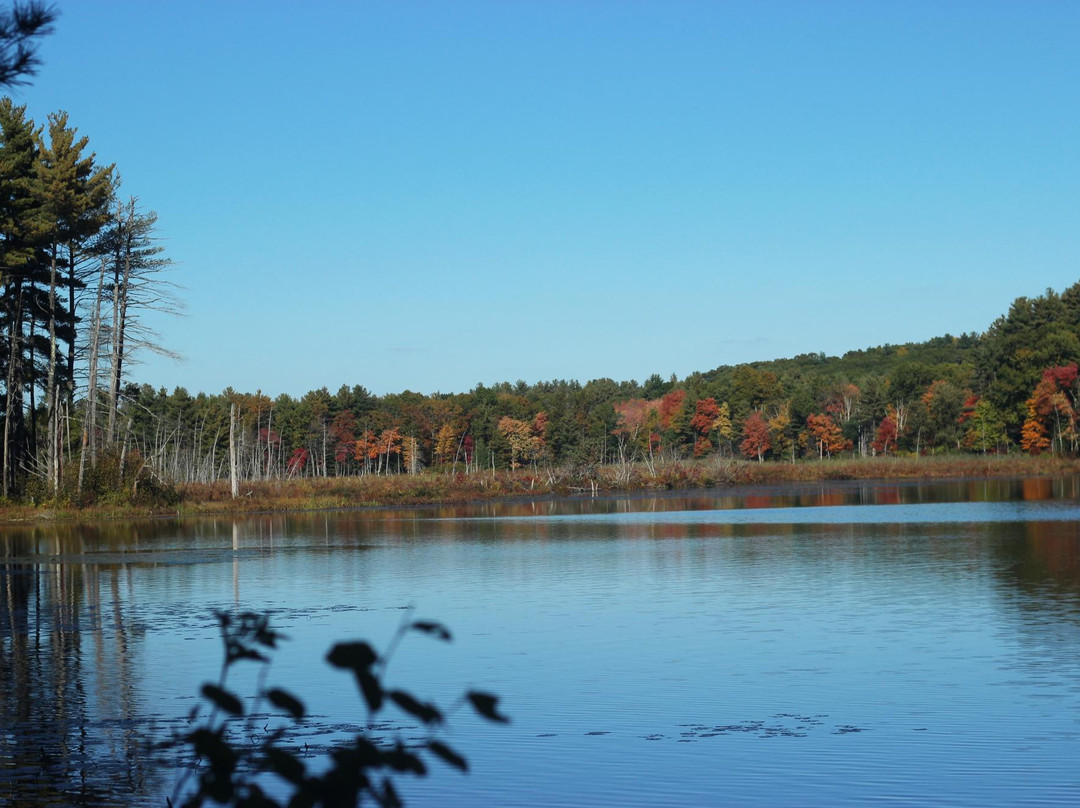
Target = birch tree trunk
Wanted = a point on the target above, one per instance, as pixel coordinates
(232, 449)
(14, 381)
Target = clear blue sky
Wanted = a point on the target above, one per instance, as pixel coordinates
(429, 195)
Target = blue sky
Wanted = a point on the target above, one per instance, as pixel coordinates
(430, 195)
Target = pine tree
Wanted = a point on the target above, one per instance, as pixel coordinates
(20, 276)
(20, 27)
(73, 195)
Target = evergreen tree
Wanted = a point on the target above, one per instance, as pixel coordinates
(73, 195)
(20, 28)
(20, 276)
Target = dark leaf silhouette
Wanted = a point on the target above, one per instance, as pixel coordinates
(371, 688)
(237, 757)
(285, 764)
(427, 713)
(435, 629)
(355, 656)
(487, 706)
(223, 699)
(286, 701)
(443, 751)
(401, 759)
(390, 798)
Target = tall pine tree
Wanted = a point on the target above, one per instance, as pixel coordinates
(74, 196)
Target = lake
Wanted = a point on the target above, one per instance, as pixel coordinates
(826, 644)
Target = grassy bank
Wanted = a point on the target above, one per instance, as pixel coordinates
(433, 487)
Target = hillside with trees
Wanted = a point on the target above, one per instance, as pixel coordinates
(1010, 390)
(80, 267)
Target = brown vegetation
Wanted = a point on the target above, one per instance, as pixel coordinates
(437, 488)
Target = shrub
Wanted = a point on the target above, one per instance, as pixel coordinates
(361, 768)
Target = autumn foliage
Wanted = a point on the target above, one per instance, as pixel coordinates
(885, 437)
(1051, 412)
(826, 435)
(755, 441)
(526, 439)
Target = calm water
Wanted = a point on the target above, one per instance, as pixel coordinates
(816, 645)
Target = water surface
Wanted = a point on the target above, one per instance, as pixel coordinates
(806, 645)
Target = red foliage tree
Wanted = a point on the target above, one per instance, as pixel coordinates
(297, 461)
(671, 409)
(704, 421)
(886, 435)
(636, 417)
(1052, 411)
(755, 437)
(343, 435)
(674, 419)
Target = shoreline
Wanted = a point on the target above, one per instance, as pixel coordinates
(437, 488)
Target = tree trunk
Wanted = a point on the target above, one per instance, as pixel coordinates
(70, 378)
(232, 449)
(121, 284)
(52, 462)
(13, 383)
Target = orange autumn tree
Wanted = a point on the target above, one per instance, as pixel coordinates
(673, 417)
(445, 444)
(366, 449)
(826, 434)
(1033, 438)
(527, 441)
(1052, 412)
(410, 454)
(389, 445)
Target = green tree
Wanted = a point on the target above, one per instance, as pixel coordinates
(20, 275)
(1036, 333)
(73, 196)
(985, 428)
(21, 27)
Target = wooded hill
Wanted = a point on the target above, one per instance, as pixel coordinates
(78, 265)
(1013, 388)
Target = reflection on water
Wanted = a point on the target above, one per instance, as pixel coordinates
(646, 646)
(69, 658)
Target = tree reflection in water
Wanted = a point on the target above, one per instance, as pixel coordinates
(68, 733)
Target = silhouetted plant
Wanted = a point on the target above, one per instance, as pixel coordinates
(234, 754)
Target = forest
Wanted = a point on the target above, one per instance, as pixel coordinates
(78, 270)
(80, 267)
(1011, 389)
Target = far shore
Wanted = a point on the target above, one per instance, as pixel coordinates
(445, 487)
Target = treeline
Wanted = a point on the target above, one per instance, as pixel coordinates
(1013, 388)
(78, 268)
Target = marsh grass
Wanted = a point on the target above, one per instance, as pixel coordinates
(433, 487)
